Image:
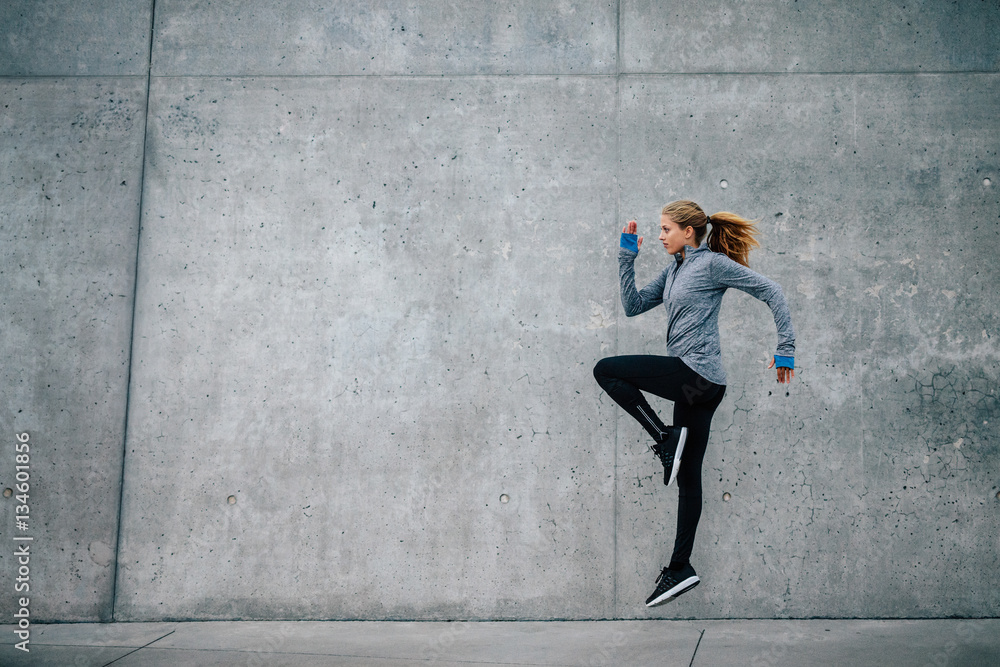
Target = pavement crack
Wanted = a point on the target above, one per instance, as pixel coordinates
(139, 649)
(690, 664)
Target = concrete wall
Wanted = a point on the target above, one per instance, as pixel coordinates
(71, 155)
(291, 326)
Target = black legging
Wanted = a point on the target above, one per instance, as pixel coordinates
(695, 400)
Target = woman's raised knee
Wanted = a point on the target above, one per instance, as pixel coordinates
(601, 369)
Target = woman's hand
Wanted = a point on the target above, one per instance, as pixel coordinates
(784, 374)
(630, 229)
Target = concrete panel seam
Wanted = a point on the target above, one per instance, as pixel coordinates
(808, 73)
(405, 77)
(499, 75)
(618, 198)
(135, 286)
(75, 77)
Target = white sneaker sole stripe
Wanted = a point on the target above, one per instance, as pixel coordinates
(682, 587)
(677, 455)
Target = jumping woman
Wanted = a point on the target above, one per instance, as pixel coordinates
(691, 289)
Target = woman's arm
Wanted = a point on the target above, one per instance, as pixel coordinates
(727, 272)
(635, 301)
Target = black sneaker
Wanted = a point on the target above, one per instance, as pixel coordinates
(669, 451)
(672, 583)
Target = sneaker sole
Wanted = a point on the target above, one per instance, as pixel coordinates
(676, 591)
(677, 455)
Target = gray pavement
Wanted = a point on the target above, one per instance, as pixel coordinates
(885, 643)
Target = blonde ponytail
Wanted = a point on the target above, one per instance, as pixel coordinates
(731, 235)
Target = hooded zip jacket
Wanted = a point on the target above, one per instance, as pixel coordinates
(691, 289)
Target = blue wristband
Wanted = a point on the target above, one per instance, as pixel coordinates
(630, 242)
(784, 362)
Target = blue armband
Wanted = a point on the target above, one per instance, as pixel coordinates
(784, 362)
(630, 242)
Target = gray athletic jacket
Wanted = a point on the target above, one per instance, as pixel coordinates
(692, 293)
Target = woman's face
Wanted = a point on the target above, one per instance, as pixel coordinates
(673, 237)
